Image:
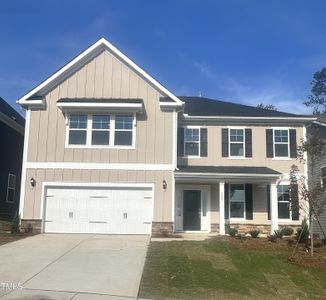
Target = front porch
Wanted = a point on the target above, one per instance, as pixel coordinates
(214, 199)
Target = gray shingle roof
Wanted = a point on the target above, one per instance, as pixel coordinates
(11, 113)
(200, 106)
(227, 170)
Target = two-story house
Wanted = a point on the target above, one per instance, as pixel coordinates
(11, 157)
(108, 149)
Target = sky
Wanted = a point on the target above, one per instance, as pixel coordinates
(244, 51)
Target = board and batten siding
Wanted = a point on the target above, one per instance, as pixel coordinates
(162, 199)
(258, 159)
(104, 76)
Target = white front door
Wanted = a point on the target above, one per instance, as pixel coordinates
(98, 210)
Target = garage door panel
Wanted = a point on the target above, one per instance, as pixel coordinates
(90, 210)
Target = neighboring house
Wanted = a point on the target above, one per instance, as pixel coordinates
(11, 157)
(110, 150)
(317, 172)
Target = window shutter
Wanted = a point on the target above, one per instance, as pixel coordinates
(293, 143)
(249, 202)
(226, 201)
(294, 201)
(268, 196)
(203, 142)
(248, 146)
(269, 143)
(225, 142)
(180, 141)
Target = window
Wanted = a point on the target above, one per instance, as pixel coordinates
(77, 129)
(192, 141)
(100, 130)
(236, 142)
(11, 188)
(237, 200)
(281, 143)
(323, 177)
(283, 199)
(123, 130)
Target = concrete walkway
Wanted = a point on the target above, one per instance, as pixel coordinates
(59, 266)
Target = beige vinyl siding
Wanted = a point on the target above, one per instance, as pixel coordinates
(103, 77)
(162, 199)
(214, 157)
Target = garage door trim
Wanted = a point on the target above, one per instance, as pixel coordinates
(47, 185)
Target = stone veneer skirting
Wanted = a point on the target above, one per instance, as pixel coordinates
(159, 228)
(33, 226)
(245, 228)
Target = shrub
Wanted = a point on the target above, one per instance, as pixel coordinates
(278, 233)
(15, 223)
(272, 238)
(287, 231)
(254, 233)
(233, 232)
(303, 231)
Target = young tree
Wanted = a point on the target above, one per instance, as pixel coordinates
(314, 195)
(317, 99)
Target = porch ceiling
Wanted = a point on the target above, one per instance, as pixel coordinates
(226, 173)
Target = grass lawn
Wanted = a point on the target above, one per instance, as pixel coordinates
(225, 269)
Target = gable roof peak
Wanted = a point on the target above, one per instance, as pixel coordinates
(82, 58)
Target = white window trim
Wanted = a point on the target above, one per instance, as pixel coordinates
(184, 142)
(244, 203)
(290, 210)
(112, 132)
(281, 157)
(244, 143)
(8, 188)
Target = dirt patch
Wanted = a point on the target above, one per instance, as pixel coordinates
(304, 259)
(7, 237)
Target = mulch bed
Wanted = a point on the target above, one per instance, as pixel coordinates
(7, 237)
(300, 257)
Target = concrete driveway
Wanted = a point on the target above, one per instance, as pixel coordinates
(62, 266)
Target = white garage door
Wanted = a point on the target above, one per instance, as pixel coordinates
(98, 210)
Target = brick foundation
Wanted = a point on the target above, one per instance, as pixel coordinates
(245, 228)
(162, 228)
(215, 227)
(33, 226)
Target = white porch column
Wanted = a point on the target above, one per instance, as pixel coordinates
(274, 208)
(222, 205)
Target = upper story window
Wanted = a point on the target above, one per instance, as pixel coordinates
(323, 177)
(192, 141)
(101, 130)
(236, 142)
(123, 130)
(11, 188)
(77, 129)
(281, 143)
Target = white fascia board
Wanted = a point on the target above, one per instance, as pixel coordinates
(132, 107)
(100, 43)
(99, 166)
(224, 175)
(246, 118)
(39, 103)
(319, 123)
